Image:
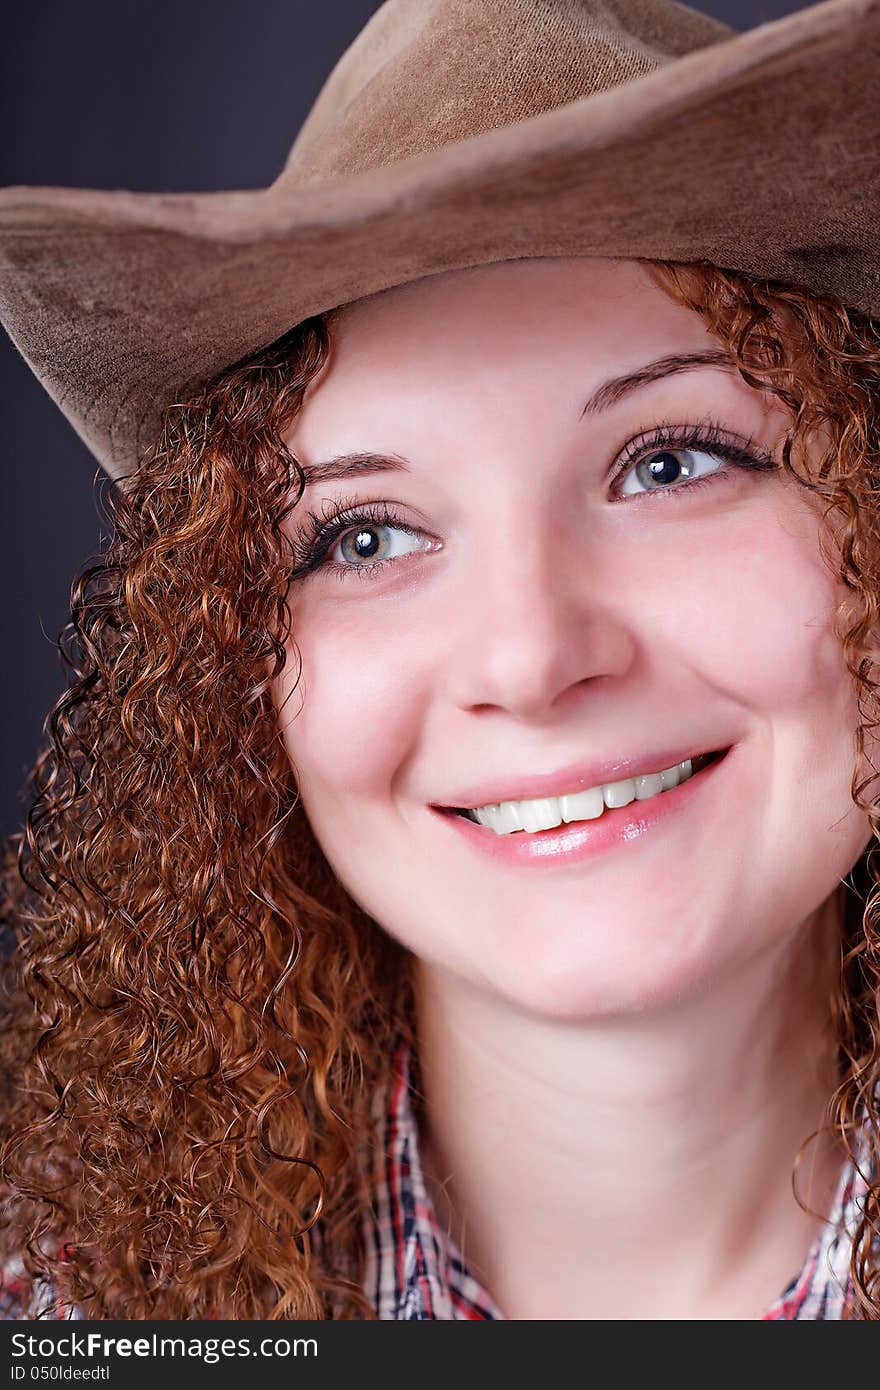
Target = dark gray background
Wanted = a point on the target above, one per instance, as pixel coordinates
(150, 95)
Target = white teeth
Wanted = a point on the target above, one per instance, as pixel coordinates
(621, 793)
(586, 805)
(541, 814)
(490, 817)
(504, 818)
(546, 812)
(650, 785)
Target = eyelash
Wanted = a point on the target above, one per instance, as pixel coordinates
(338, 517)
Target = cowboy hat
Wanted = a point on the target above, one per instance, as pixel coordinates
(454, 133)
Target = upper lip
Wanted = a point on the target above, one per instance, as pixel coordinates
(577, 777)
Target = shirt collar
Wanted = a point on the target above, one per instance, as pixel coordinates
(414, 1270)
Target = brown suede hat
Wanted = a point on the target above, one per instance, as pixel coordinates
(454, 133)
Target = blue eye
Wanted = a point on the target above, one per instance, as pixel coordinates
(359, 539)
(371, 543)
(666, 468)
(677, 459)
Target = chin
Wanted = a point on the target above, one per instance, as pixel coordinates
(581, 991)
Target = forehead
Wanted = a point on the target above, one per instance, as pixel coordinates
(499, 358)
(467, 326)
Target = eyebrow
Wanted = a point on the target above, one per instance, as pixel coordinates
(348, 465)
(614, 390)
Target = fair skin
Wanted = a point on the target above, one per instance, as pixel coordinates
(621, 1054)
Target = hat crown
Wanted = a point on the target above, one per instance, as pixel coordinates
(425, 73)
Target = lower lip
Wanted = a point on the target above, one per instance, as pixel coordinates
(583, 839)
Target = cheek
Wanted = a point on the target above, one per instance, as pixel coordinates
(763, 629)
(357, 708)
(760, 621)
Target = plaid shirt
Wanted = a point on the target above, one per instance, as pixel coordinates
(415, 1272)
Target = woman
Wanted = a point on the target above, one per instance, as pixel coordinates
(449, 889)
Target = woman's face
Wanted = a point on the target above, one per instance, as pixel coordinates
(545, 625)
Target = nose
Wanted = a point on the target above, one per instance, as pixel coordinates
(536, 623)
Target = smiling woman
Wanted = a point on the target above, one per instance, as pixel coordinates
(450, 891)
(544, 549)
(588, 649)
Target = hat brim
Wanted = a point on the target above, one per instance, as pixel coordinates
(760, 153)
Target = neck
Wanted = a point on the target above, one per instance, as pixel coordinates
(651, 1153)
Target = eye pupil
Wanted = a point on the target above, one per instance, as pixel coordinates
(364, 543)
(663, 467)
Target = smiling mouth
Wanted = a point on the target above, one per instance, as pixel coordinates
(576, 806)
